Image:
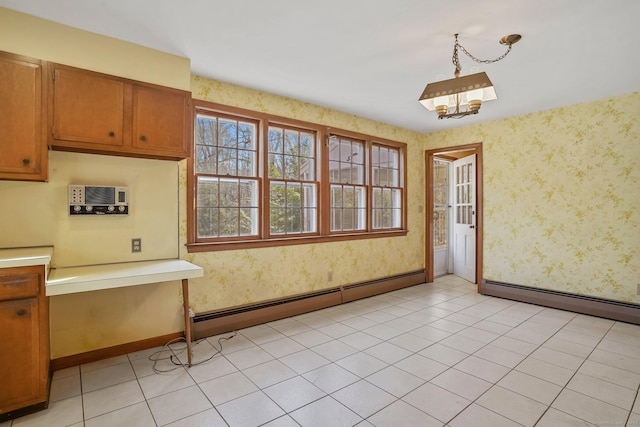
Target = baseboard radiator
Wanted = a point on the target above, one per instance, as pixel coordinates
(594, 306)
(229, 319)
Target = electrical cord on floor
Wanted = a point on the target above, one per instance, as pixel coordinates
(157, 356)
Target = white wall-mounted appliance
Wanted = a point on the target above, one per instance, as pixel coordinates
(98, 200)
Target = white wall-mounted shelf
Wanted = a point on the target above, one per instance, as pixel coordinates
(70, 280)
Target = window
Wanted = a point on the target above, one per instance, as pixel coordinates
(226, 177)
(387, 187)
(348, 184)
(258, 180)
(293, 207)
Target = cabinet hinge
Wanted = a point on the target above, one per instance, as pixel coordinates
(53, 76)
(53, 130)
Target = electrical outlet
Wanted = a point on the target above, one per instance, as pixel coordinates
(638, 290)
(330, 276)
(136, 245)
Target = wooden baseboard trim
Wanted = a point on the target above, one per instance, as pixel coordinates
(223, 321)
(593, 306)
(116, 350)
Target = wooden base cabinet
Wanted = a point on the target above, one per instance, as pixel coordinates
(24, 341)
(23, 144)
(102, 114)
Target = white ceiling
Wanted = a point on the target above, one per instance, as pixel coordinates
(373, 58)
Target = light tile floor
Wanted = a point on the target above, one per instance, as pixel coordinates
(430, 355)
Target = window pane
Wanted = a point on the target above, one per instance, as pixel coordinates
(393, 159)
(205, 159)
(291, 143)
(307, 169)
(277, 216)
(206, 132)
(307, 144)
(294, 195)
(227, 164)
(207, 222)
(292, 167)
(348, 208)
(348, 219)
(248, 221)
(440, 221)
(228, 222)
(207, 193)
(228, 133)
(205, 140)
(334, 171)
(336, 196)
(229, 194)
(246, 136)
(293, 207)
(248, 194)
(276, 166)
(334, 152)
(357, 174)
(336, 219)
(346, 161)
(387, 208)
(246, 163)
(276, 140)
(218, 207)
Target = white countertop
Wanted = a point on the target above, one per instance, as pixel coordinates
(24, 257)
(69, 280)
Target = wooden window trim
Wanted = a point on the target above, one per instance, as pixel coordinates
(324, 233)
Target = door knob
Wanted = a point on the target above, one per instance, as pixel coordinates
(472, 226)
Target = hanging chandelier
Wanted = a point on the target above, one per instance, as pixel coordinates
(462, 96)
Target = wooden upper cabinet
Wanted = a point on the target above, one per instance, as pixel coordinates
(23, 149)
(87, 108)
(161, 120)
(97, 113)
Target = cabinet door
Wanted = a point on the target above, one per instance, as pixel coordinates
(20, 367)
(22, 119)
(161, 121)
(88, 109)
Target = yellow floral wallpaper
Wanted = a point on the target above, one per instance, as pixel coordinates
(562, 197)
(245, 276)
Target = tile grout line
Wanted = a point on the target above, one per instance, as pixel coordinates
(632, 405)
(510, 369)
(573, 375)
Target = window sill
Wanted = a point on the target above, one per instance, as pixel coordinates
(252, 244)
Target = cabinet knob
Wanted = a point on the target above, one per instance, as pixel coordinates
(26, 161)
(112, 133)
(21, 312)
(143, 138)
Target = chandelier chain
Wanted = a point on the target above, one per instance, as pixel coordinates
(456, 60)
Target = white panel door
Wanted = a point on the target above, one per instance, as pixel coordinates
(464, 218)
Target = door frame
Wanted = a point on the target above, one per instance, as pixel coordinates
(476, 149)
